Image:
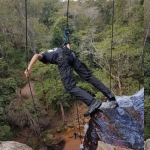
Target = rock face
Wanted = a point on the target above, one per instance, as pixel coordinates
(122, 126)
(103, 146)
(147, 144)
(11, 145)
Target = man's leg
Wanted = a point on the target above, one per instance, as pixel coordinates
(70, 85)
(85, 73)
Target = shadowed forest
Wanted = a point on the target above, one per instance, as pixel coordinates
(90, 22)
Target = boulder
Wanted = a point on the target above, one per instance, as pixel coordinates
(147, 144)
(121, 126)
(11, 145)
(103, 146)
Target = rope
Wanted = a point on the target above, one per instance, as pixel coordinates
(27, 53)
(112, 37)
(66, 40)
(142, 62)
(78, 121)
(67, 30)
(67, 25)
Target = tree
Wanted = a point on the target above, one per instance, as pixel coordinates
(49, 13)
(127, 44)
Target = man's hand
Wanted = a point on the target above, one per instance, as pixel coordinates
(27, 73)
(68, 46)
(32, 62)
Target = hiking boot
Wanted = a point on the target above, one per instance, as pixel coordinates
(93, 105)
(113, 101)
(110, 96)
(113, 104)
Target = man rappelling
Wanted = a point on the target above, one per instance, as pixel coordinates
(66, 59)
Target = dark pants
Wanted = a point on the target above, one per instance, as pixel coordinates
(68, 60)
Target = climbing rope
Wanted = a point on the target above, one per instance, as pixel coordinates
(142, 62)
(67, 30)
(78, 120)
(66, 40)
(112, 38)
(27, 54)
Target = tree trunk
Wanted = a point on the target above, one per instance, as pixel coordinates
(62, 111)
(119, 85)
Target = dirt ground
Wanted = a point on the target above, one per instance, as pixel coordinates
(71, 143)
(68, 135)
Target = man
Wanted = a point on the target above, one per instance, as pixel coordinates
(66, 59)
(75, 135)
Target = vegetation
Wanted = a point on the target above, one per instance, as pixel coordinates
(91, 27)
(147, 70)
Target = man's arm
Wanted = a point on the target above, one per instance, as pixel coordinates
(32, 62)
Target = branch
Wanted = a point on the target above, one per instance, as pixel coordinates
(88, 52)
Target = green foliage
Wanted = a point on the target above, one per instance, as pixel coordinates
(48, 141)
(5, 133)
(58, 32)
(147, 70)
(147, 91)
(91, 29)
(3, 68)
(32, 142)
(50, 88)
(5, 130)
(49, 13)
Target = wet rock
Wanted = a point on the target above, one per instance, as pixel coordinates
(11, 145)
(121, 126)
